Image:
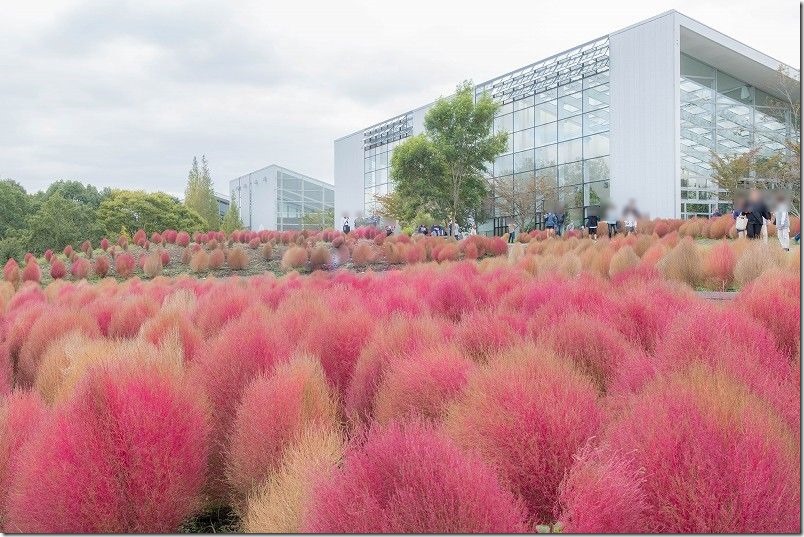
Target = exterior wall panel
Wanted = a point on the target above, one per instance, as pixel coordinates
(348, 178)
(644, 116)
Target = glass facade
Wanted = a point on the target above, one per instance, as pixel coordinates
(378, 144)
(303, 204)
(727, 116)
(557, 118)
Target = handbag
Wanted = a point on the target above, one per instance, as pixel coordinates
(742, 223)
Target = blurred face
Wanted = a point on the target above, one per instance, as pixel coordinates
(754, 196)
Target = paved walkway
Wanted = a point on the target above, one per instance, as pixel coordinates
(717, 295)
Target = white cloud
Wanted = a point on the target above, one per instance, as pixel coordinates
(124, 94)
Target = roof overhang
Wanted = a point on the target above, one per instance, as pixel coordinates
(737, 59)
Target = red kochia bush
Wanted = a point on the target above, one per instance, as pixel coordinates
(57, 269)
(125, 454)
(411, 479)
(80, 268)
(68, 251)
(11, 271)
(719, 265)
(32, 272)
(273, 412)
(104, 244)
(20, 413)
(124, 265)
(182, 239)
(422, 386)
(602, 494)
(716, 459)
(101, 266)
(527, 412)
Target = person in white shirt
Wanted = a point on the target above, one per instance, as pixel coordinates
(782, 219)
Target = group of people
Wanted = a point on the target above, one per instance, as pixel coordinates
(752, 216)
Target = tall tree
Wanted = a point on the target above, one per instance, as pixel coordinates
(522, 198)
(200, 195)
(444, 168)
(231, 220)
(14, 207)
(155, 211)
(60, 222)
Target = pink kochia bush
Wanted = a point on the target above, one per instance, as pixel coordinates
(20, 413)
(32, 272)
(126, 453)
(124, 265)
(57, 269)
(705, 443)
(525, 423)
(242, 351)
(412, 479)
(273, 412)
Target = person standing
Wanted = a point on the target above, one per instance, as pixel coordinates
(591, 225)
(757, 213)
(550, 222)
(782, 219)
(560, 217)
(512, 233)
(346, 228)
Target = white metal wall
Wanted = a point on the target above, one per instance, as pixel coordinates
(256, 198)
(645, 116)
(348, 177)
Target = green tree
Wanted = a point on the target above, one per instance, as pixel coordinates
(231, 220)
(200, 194)
(77, 191)
(14, 207)
(149, 211)
(443, 169)
(60, 222)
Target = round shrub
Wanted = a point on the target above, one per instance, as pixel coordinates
(124, 265)
(32, 272)
(411, 479)
(273, 411)
(422, 386)
(237, 258)
(125, 454)
(101, 266)
(57, 269)
(217, 258)
(294, 257)
(527, 413)
(706, 443)
(277, 505)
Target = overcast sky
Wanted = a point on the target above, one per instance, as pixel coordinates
(123, 94)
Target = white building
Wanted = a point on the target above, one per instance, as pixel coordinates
(632, 115)
(277, 198)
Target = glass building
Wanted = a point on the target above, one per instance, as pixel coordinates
(634, 115)
(277, 198)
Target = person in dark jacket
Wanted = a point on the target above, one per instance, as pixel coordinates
(560, 218)
(591, 225)
(756, 211)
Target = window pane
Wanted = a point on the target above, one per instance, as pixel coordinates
(595, 122)
(545, 95)
(596, 169)
(547, 174)
(569, 151)
(596, 145)
(595, 80)
(504, 165)
(569, 105)
(523, 119)
(572, 87)
(595, 98)
(570, 174)
(545, 156)
(545, 112)
(596, 193)
(545, 134)
(571, 196)
(519, 104)
(503, 123)
(523, 139)
(523, 161)
(569, 128)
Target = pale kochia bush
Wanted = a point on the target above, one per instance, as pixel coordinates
(625, 258)
(276, 506)
(755, 259)
(126, 453)
(683, 263)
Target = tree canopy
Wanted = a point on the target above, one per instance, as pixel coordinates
(149, 211)
(59, 222)
(442, 171)
(200, 194)
(231, 220)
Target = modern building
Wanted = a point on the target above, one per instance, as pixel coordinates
(223, 203)
(277, 198)
(635, 114)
